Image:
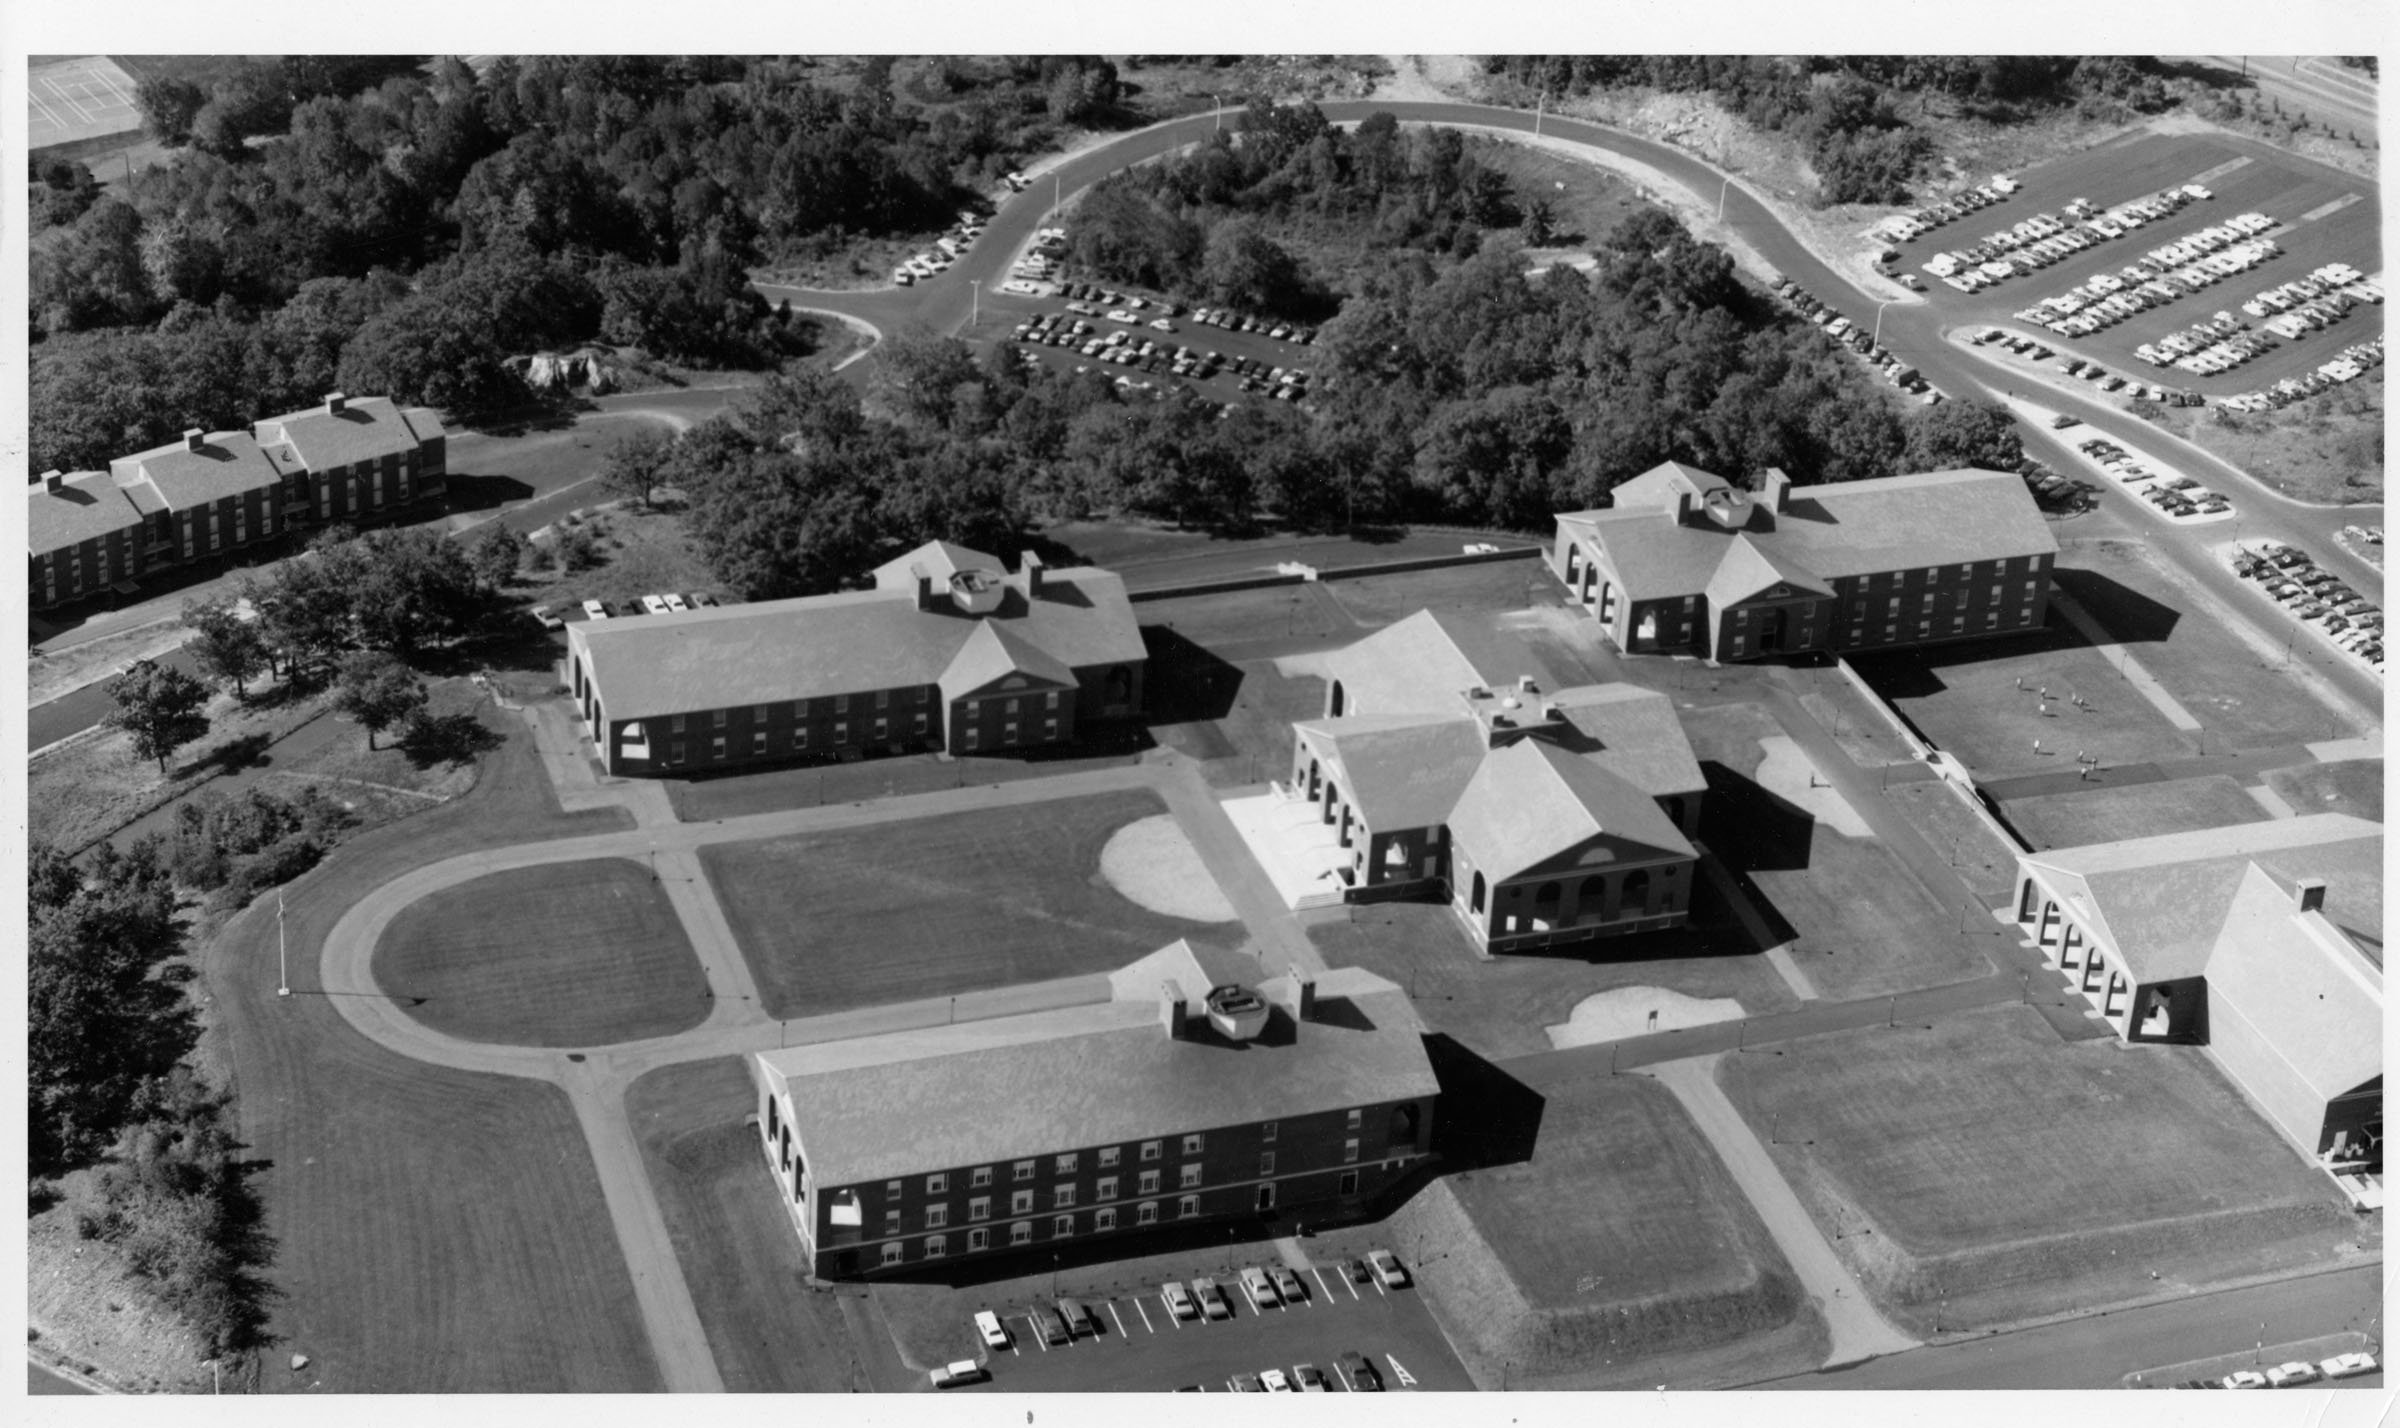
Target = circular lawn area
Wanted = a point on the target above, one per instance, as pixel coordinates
(570, 954)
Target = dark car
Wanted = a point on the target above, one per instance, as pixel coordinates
(1358, 1373)
(1079, 1317)
(1053, 1329)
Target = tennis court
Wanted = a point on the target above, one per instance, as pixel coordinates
(71, 100)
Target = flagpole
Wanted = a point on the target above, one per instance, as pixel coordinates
(283, 970)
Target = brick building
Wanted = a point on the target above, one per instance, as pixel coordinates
(212, 496)
(1195, 1095)
(2261, 941)
(946, 652)
(1686, 561)
(1444, 766)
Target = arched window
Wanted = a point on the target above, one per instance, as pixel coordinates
(1404, 1124)
(1475, 895)
(1545, 906)
(1120, 685)
(1633, 900)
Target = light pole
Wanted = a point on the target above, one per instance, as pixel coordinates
(1055, 191)
(1723, 191)
(1877, 339)
(283, 968)
(974, 302)
(1216, 104)
(1539, 99)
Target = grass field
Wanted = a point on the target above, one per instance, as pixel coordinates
(436, 1231)
(1984, 860)
(2328, 449)
(1585, 201)
(2354, 786)
(1967, 700)
(1294, 612)
(1378, 600)
(2104, 815)
(769, 1331)
(2171, 627)
(936, 907)
(1498, 1008)
(642, 552)
(1237, 725)
(569, 954)
(1981, 1173)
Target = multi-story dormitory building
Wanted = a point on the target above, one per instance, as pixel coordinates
(212, 495)
(1189, 1097)
(945, 652)
(1683, 561)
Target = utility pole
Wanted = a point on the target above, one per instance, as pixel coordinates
(1539, 99)
(283, 967)
(974, 303)
(1723, 191)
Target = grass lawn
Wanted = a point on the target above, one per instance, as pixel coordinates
(1585, 201)
(1498, 1008)
(2224, 682)
(2104, 815)
(570, 954)
(1984, 860)
(1236, 721)
(1980, 1173)
(1378, 600)
(2354, 786)
(1296, 612)
(642, 552)
(939, 906)
(769, 1331)
(818, 782)
(436, 1231)
(1862, 924)
(2327, 449)
(1661, 1253)
(1966, 699)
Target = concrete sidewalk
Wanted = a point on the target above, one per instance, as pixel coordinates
(1857, 1330)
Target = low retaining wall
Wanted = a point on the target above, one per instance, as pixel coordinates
(1306, 574)
(1917, 743)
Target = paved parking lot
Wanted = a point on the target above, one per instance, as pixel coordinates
(1142, 1346)
(1003, 315)
(2322, 215)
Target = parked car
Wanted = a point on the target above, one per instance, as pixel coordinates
(987, 1323)
(2244, 1378)
(1274, 1381)
(547, 618)
(1358, 1373)
(1261, 1289)
(2292, 1375)
(1211, 1295)
(1245, 1383)
(951, 1375)
(1287, 1284)
(1079, 1317)
(1052, 1328)
(1387, 1269)
(1179, 1300)
(1356, 1269)
(1310, 1378)
(2348, 1365)
(594, 610)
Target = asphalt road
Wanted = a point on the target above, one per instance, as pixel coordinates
(2096, 1352)
(73, 713)
(2307, 84)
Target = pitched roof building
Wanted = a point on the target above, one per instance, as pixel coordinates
(1184, 1097)
(944, 652)
(2262, 940)
(1443, 763)
(1684, 560)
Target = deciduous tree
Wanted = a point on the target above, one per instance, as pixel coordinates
(160, 706)
(378, 691)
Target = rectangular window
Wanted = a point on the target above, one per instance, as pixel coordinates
(1995, 594)
(800, 737)
(716, 718)
(1894, 608)
(758, 713)
(979, 1177)
(883, 699)
(1957, 623)
(1149, 1150)
(1010, 709)
(920, 724)
(1266, 1162)
(675, 723)
(716, 747)
(1062, 1197)
(1148, 1183)
(891, 1222)
(891, 1189)
(841, 704)
(1188, 1206)
(1066, 1164)
(1008, 732)
(1349, 1152)
(1891, 632)
(2031, 586)
(1266, 1132)
(980, 1208)
(936, 1246)
(758, 742)
(1109, 1158)
(1928, 599)
(1354, 1120)
(1022, 1170)
(882, 730)
(1107, 1189)
(1187, 1177)
(1021, 1233)
(936, 1216)
(921, 694)
(971, 733)
(1687, 604)
(1104, 1219)
(841, 731)
(937, 1184)
(1146, 1213)
(1349, 1185)
(1191, 1144)
(799, 709)
(1062, 1226)
(1049, 731)
(978, 1240)
(1020, 1202)
(1050, 700)
(891, 1252)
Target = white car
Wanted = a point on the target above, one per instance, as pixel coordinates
(2292, 1374)
(953, 1374)
(1162, 324)
(2244, 1378)
(1118, 314)
(1387, 1269)
(1020, 287)
(1275, 1382)
(988, 1325)
(593, 609)
(655, 604)
(675, 602)
(903, 277)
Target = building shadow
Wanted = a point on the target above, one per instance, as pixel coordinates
(2129, 616)
(483, 493)
(1485, 1116)
(1186, 682)
(1751, 827)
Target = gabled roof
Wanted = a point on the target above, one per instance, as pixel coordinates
(86, 506)
(939, 559)
(1659, 486)
(1748, 567)
(1531, 802)
(992, 653)
(875, 1108)
(2160, 903)
(2300, 984)
(1421, 665)
(1640, 738)
(228, 463)
(365, 429)
(1399, 770)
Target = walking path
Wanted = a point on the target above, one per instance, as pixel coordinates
(1857, 1331)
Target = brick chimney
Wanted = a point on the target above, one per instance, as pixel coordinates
(1170, 1008)
(1683, 508)
(193, 437)
(53, 480)
(924, 587)
(1308, 995)
(2310, 895)
(1774, 489)
(336, 403)
(1030, 566)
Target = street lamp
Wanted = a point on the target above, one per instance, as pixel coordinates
(1539, 99)
(1723, 190)
(1216, 104)
(974, 302)
(1877, 339)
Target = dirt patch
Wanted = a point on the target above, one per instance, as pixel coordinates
(1637, 1011)
(1154, 865)
(89, 1312)
(2327, 450)
(67, 670)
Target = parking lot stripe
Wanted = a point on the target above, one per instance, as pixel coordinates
(1349, 1284)
(1320, 1274)
(1246, 1294)
(1138, 1309)
(1379, 1286)
(1113, 1314)
(1035, 1329)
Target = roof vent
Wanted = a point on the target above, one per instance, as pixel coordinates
(1030, 566)
(2310, 894)
(1525, 683)
(336, 403)
(978, 592)
(1170, 1008)
(1237, 1013)
(193, 437)
(52, 480)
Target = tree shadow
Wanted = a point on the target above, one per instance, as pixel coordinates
(447, 739)
(248, 751)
